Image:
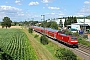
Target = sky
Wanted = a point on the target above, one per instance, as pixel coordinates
(26, 10)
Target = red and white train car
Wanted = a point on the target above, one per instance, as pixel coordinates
(56, 34)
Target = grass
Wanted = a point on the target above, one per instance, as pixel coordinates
(84, 42)
(41, 51)
(51, 47)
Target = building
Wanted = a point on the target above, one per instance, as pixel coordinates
(86, 21)
(79, 25)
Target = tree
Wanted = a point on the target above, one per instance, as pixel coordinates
(51, 24)
(70, 20)
(6, 22)
(48, 24)
(65, 23)
(2, 24)
(15, 23)
(30, 30)
(44, 40)
(54, 25)
(75, 20)
(60, 24)
(44, 24)
(26, 23)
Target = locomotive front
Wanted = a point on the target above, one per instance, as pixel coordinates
(74, 41)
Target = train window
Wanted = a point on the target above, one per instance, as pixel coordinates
(74, 38)
(59, 31)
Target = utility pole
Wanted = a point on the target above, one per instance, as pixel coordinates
(43, 18)
(84, 26)
(32, 21)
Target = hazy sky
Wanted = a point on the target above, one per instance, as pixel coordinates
(21, 10)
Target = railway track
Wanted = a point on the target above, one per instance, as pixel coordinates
(82, 50)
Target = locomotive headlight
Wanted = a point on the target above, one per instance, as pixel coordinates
(72, 41)
(75, 41)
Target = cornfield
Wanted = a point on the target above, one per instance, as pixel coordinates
(15, 43)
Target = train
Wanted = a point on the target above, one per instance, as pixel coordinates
(70, 40)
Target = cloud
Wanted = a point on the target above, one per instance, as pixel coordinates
(86, 2)
(18, 2)
(53, 8)
(17, 14)
(85, 11)
(11, 12)
(46, 1)
(79, 14)
(43, 7)
(20, 14)
(61, 14)
(33, 3)
(8, 9)
(54, 15)
(6, 2)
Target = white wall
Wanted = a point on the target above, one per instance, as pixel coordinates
(74, 26)
(82, 20)
(58, 20)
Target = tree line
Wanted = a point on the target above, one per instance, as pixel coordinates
(70, 20)
(54, 25)
(7, 22)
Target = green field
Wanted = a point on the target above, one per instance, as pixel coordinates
(15, 43)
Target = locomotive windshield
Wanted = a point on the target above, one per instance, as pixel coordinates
(74, 38)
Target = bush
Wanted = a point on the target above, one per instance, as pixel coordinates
(68, 32)
(36, 36)
(44, 40)
(65, 54)
(85, 36)
(30, 30)
(83, 41)
(76, 34)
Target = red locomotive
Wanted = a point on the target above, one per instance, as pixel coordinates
(56, 34)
